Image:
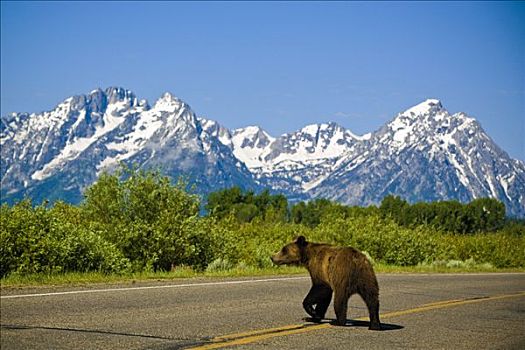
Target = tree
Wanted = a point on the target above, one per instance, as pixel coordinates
(485, 214)
(395, 208)
(298, 212)
(220, 203)
(151, 221)
(310, 214)
(246, 206)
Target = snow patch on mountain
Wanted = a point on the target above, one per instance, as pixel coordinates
(115, 114)
(423, 108)
(250, 144)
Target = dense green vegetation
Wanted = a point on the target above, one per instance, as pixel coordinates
(139, 222)
(480, 215)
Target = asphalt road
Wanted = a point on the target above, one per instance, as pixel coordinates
(466, 311)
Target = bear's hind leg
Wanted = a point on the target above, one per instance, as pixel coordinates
(372, 303)
(373, 310)
(340, 306)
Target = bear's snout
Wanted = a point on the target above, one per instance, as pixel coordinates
(275, 259)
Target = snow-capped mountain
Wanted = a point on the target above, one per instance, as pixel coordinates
(56, 154)
(424, 153)
(35, 147)
(293, 163)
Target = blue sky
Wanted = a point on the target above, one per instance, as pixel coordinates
(280, 65)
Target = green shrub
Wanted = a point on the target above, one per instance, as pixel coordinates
(41, 240)
(153, 223)
(219, 265)
(139, 221)
(88, 251)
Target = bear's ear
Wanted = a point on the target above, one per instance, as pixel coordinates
(301, 241)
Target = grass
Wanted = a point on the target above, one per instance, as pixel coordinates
(87, 278)
(433, 268)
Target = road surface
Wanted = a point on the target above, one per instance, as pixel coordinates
(419, 311)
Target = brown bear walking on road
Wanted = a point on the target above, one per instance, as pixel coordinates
(342, 270)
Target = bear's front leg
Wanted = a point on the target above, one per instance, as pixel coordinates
(320, 296)
(309, 302)
(324, 297)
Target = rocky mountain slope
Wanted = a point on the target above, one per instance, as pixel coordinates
(424, 153)
(428, 153)
(56, 154)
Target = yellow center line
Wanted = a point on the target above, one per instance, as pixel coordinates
(449, 303)
(301, 328)
(262, 334)
(255, 332)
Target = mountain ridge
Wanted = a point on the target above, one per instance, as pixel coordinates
(423, 153)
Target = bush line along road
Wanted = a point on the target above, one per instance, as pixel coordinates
(141, 223)
(446, 311)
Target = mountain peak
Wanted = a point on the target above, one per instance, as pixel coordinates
(168, 96)
(251, 129)
(251, 136)
(169, 103)
(314, 129)
(115, 93)
(425, 107)
(98, 99)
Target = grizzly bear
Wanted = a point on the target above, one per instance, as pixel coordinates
(342, 270)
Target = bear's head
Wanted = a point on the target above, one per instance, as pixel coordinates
(292, 253)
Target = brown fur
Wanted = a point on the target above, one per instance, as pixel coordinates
(342, 270)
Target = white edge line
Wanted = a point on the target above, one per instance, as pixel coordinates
(87, 291)
(150, 287)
